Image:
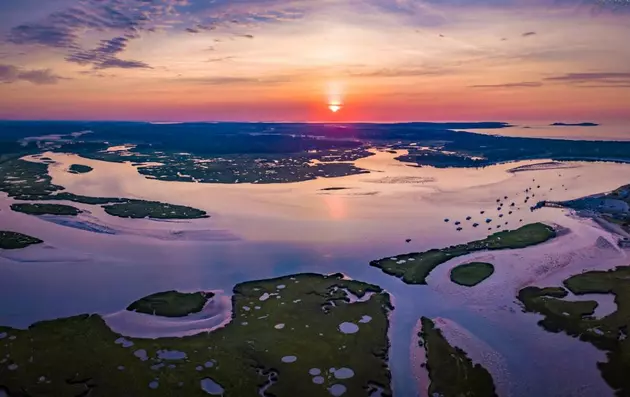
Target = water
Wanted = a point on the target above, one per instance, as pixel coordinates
(616, 131)
(293, 228)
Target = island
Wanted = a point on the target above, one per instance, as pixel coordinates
(451, 371)
(333, 188)
(413, 268)
(612, 207)
(45, 209)
(14, 240)
(153, 209)
(587, 124)
(171, 303)
(320, 334)
(471, 274)
(576, 318)
(79, 169)
(27, 180)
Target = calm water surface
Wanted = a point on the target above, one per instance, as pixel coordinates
(262, 231)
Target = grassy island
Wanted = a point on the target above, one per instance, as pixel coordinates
(45, 209)
(306, 332)
(451, 371)
(171, 303)
(575, 318)
(14, 240)
(25, 180)
(79, 169)
(414, 268)
(471, 274)
(153, 209)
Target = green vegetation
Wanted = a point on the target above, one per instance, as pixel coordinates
(259, 158)
(153, 209)
(414, 268)
(45, 209)
(26, 180)
(471, 274)
(294, 316)
(79, 169)
(608, 333)
(171, 303)
(452, 373)
(14, 240)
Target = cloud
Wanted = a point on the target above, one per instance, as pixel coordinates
(527, 34)
(228, 80)
(12, 74)
(247, 36)
(596, 76)
(524, 84)
(62, 29)
(220, 59)
(104, 56)
(594, 79)
(386, 72)
(199, 28)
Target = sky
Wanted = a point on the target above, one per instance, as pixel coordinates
(273, 60)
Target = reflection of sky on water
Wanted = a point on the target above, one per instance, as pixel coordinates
(541, 129)
(284, 229)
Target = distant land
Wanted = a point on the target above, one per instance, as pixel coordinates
(588, 124)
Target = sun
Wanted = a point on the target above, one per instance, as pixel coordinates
(334, 107)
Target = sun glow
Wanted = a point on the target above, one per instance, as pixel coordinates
(334, 95)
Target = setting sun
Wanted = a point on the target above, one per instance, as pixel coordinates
(334, 108)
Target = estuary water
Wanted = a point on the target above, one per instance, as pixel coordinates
(99, 264)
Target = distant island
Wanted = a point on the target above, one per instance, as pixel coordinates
(574, 125)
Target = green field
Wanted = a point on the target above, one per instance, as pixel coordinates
(171, 303)
(45, 209)
(575, 318)
(471, 274)
(79, 355)
(451, 371)
(14, 240)
(414, 268)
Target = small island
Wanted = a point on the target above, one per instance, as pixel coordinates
(333, 188)
(306, 332)
(413, 268)
(26, 180)
(15, 240)
(588, 124)
(79, 169)
(153, 209)
(576, 318)
(171, 303)
(471, 274)
(451, 371)
(45, 209)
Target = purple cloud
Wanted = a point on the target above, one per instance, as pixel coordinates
(11, 74)
(524, 84)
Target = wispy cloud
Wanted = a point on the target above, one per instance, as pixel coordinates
(104, 56)
(527, 34)
(594, 79)
(524, 84)
(400, 72)
(222, 59)
(12, 74)
(229, 80)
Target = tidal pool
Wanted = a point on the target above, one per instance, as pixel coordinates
(264, 231)
(211, 387)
